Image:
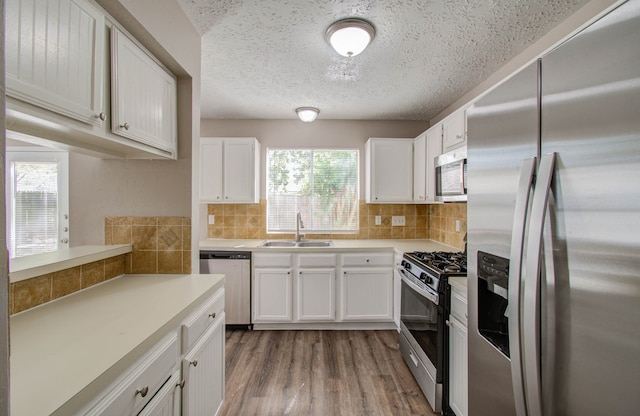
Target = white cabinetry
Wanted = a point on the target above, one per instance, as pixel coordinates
(454, 131)
(315, 288)
(130, 393)
(458, 354)
(366, 287)
(143, 97)
(272, 287)
(203, 372)
(54, 57)
(167, 401)
(229, 170)
(388, 170)
(203, 358)
(426, 147)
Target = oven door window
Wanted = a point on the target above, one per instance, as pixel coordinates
(420, 316)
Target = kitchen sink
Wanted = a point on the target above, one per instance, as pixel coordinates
(278, 243)
(316, 243)
(289, 243)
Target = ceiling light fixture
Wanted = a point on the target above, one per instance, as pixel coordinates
(349, 37)
(307, 114)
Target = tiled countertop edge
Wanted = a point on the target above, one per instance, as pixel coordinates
(22, 268)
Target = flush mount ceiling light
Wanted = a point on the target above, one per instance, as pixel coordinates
(349, 37)
(307, 114)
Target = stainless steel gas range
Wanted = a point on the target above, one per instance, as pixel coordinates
(424, 308)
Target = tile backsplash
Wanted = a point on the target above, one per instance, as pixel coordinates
(161, 245)
(421, 221)
(30, 293)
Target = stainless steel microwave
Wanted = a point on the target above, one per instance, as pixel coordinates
(451, 175)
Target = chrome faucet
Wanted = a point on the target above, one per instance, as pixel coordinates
(299, 224)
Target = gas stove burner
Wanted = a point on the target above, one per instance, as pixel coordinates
(452, 268)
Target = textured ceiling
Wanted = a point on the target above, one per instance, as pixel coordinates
(263, 58)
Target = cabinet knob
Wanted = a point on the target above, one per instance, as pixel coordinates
(64, 241)
(218, 197)
(181, 384)
(125, 126)
(143, 391)
(367, 260)
(193, 363)
(212, 315)
(448, 322)
(102, 116)
(226, 197)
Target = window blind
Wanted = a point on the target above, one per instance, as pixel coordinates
(321, 184)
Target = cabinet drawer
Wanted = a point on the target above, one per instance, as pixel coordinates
(199, 321)
(367, 259)
(271, 260)
(459, 306)
(317, 260)
(129, 395)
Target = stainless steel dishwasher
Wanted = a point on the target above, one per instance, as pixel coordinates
(236, 266)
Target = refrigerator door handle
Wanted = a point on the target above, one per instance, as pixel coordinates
(531, 308)
(515, 281)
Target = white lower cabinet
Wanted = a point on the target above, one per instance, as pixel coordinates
(458, 355)
(134, 390)
(315, 295)
(272, 295)
(156, 385)
(167, 401)
(203, 373)
(307, 288)
(366, 294)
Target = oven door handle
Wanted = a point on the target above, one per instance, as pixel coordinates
(433, 297)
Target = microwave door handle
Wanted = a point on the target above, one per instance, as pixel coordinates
(531, 307)
(525, 183)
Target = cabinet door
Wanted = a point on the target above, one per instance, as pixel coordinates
(367, 295)
(434, 149)
(315, 295)
(210, 169)
(143, 96)
(458, 367)
(203, 372)
(239, 170)
(389, 170)
(420, 168)
(272, 295)
(166, 402)
(54, 56)
(454, 131)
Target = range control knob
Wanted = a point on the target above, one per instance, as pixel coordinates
(406, 265)
(426, 278)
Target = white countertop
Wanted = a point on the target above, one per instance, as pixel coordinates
(459, 283)
(22, 268)
(339, 245)
(65, 352)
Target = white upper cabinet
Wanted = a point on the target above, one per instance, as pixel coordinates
(426, 147)
(229, 170)
(389, 170)
(454, 131)
(144, 96)
(55, 57)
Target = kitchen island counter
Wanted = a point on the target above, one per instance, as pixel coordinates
(66, 352)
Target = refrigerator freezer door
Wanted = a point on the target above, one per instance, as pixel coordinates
(503, 131)
(591, 119)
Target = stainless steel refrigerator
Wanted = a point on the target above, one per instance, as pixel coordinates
(554, 230)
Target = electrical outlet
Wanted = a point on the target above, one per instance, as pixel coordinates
(212, 219)
(397, 220)
(378, 220)
(458, 225)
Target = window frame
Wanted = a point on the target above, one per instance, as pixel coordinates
(38, 154)
(307, 231)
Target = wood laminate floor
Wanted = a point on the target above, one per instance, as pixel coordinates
(328, 373)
